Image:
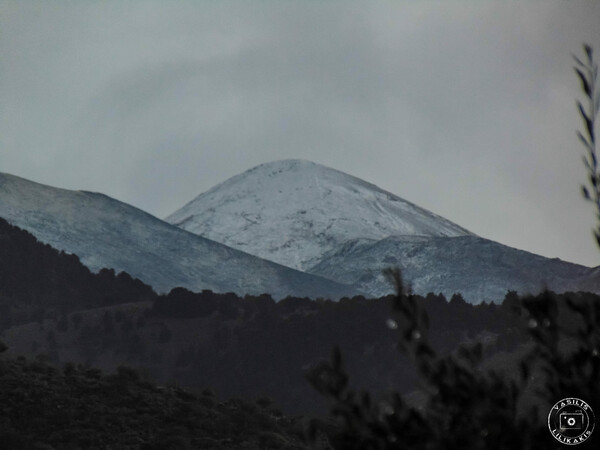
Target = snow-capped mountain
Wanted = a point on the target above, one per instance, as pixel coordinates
(104, 232)
(325, 222)
(295, 212)
(480, 269)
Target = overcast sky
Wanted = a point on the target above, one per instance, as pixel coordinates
(466, 108)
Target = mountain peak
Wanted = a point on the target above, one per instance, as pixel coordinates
(294, 212)
(289, 164)
(297, 166)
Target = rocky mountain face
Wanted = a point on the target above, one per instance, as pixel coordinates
(104, 232)
(317, 219)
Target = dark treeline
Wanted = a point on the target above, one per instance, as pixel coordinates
(37, 281)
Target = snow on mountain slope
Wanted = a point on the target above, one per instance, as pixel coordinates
(104, 232)
(478, 268)
(294, 212)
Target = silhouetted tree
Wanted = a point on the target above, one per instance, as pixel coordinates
(587, 71)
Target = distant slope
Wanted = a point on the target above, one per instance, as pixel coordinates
(590, 282)
(104, 232)
(294, 212)
(478, 268)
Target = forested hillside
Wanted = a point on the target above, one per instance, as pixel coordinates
(253, 346)
(38, 281)
(72, 407)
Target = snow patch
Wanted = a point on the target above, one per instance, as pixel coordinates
(294, 212)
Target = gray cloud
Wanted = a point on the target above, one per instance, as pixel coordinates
(464, 108)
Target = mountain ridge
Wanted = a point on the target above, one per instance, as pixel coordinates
(104, 232)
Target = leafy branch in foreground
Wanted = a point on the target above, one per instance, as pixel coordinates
(468, 406)
(588, 74)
